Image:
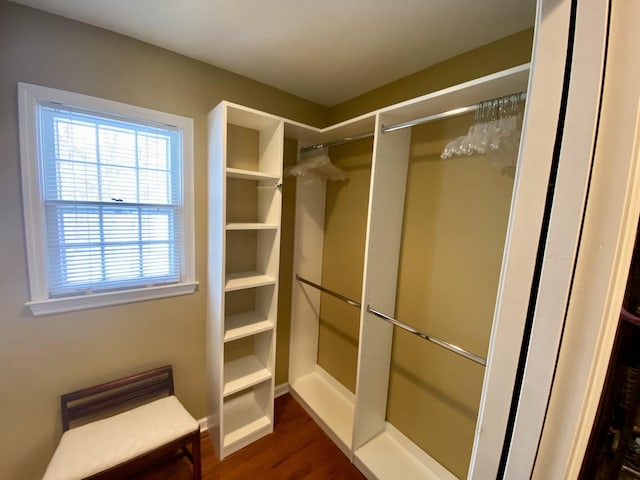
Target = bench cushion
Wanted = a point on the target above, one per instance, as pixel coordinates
(100, 445)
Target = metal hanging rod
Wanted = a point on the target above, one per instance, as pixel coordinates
(330, 292)
(270, 187)
(449, 113)
(411, 123)
(453, 348)
(319, 146)
(430, 118)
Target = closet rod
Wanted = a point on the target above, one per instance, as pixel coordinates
(449, 113)
(411, 123)
(335, 142)
(330, 292)
(453, 348)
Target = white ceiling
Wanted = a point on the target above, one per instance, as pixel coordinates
(326, 51)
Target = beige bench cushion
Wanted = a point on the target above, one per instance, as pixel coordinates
(100, 445)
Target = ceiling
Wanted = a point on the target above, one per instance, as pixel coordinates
(326, 51)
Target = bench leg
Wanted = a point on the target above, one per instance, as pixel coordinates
(197, 463)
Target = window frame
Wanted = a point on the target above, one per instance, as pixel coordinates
(41, 303)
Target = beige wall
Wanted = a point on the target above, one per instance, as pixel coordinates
(285, 281)
(504, 53)
(343, 261)
(40, 358)
(455, 223)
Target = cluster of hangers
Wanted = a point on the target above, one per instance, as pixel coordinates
(496, 127)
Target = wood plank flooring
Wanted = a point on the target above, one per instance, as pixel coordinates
(298, 449)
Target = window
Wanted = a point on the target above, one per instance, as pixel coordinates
(108, 198)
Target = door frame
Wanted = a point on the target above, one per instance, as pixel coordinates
(606, 246)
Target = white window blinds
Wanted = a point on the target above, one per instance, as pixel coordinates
(112, 191)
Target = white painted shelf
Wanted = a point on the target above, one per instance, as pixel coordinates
(392, 455)
(245, 324)
(244, 421)
(251, 174)
(329, 404)
(242, 280)
(505, 82)
(251, 226)
(243, 373)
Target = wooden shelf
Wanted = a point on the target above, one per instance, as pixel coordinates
(245, 324)
(251, 226)
(251, 174)
(243, 373)
(242, 280)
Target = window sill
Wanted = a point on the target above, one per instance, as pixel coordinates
(70, 304)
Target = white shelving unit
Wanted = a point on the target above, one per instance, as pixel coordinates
(245, 172)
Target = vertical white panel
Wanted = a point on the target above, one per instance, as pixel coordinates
(563, 234)
(525, 221)
(271, 153)
(307, 262)
(382, 254)
(271, 146)
(215, 270)
(603, 262)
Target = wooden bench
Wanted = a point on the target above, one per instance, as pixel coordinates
(113, 430)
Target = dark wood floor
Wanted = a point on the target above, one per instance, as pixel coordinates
(298, 449)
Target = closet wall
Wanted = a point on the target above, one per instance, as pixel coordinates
(342, 264)
(455, 222)
(287, 224)
(506, 52)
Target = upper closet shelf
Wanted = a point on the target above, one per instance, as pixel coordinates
(251, 174)
(505, 82)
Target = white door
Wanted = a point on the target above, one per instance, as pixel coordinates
(544, 231)
(606, 244)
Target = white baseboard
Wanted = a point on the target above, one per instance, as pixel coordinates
(204, 425)
(281, 389)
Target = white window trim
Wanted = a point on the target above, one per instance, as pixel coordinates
(34, 219)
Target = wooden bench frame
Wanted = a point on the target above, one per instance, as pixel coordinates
(100, 401)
